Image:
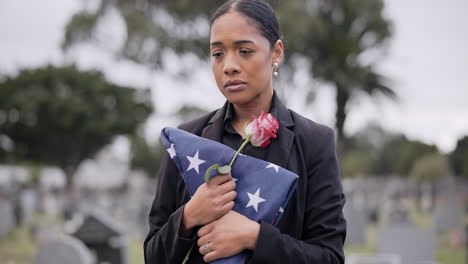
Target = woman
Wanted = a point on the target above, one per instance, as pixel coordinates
(246, 50)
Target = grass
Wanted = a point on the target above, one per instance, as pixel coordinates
(136, 250)
(450, 256)
(18, 247)
(445, 254)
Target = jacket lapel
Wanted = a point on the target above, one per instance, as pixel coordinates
(280, 148)
(215, 126)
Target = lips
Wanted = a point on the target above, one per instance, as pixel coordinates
(234, 84)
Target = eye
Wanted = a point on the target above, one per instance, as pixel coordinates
(245, 51)
(217, 54)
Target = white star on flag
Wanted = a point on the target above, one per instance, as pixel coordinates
(255, 199)
(234, 179)
(194, 162)
(281, 210)
(171, 151)
(274, 166)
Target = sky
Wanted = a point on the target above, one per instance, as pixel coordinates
(427, 63)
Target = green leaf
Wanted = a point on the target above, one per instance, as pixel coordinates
(208, 172)
(224, 169)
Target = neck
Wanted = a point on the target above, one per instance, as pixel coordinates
(244, 112)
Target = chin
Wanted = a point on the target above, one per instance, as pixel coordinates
(239, 98)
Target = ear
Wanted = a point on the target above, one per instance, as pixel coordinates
(278, 52)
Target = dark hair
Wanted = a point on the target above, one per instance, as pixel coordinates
(259, 11)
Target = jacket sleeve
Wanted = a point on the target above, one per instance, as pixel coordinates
(324, 225)
(164, 243)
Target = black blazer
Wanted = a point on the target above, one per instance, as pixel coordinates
(312, 228)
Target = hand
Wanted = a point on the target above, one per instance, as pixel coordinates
(211, 201)
(227, 236)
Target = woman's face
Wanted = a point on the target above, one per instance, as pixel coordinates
(242, 59)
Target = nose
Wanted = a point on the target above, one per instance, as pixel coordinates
(230, 66)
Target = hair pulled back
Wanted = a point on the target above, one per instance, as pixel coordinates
(259, 11)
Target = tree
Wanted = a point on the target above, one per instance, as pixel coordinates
(341, 35)
(459, 157)
(427, 170)
(145, 157)
(338, 38)
(60, 116)
(398, 155)
(375, 151)
(430, 168)
(355, 163)
(189, 112)
(362, 148)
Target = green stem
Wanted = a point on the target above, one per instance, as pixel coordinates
(188, 254)
(208, 172)
(246, 141)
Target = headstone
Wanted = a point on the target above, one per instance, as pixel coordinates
(373, 259)
(52, 205)
(374, 197)
(105, 237)
(466, 244)
(448, 213)
(7, 217)
(395, 209)
(63, 249)
(412, 244)
(356, 211)
(27, 201)
(426, 197)
(70, 208)
(356, 221)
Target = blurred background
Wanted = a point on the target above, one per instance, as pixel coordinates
(86, 86)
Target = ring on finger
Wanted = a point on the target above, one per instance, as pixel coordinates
(207, 247)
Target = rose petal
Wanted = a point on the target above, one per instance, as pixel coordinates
(266, 143)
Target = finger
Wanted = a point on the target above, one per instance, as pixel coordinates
(220, 179)
(203, 240)
(205, 230)
(227, 187)
(202, 250)
(227, 197)
(228, 206)
(211, 256)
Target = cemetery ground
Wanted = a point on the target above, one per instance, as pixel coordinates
(19, 246)
(445, 253)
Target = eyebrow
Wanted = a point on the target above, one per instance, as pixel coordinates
(217, 43)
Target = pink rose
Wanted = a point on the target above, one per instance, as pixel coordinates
(261, 129)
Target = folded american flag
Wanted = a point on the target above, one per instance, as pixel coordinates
(263, 188)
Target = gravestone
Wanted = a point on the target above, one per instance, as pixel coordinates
(412, 244)
(395, 209)
(104, 236)
(52, 204)
(373, 259)
(448, 213)
(356, 222)
(63, 249)
(7, 217)
(27, 202)
(466, 244)
(373, 188)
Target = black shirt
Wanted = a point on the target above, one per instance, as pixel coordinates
(234, 140)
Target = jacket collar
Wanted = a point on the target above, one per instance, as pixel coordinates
(279, 148)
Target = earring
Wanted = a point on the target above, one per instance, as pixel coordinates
(275, 69)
